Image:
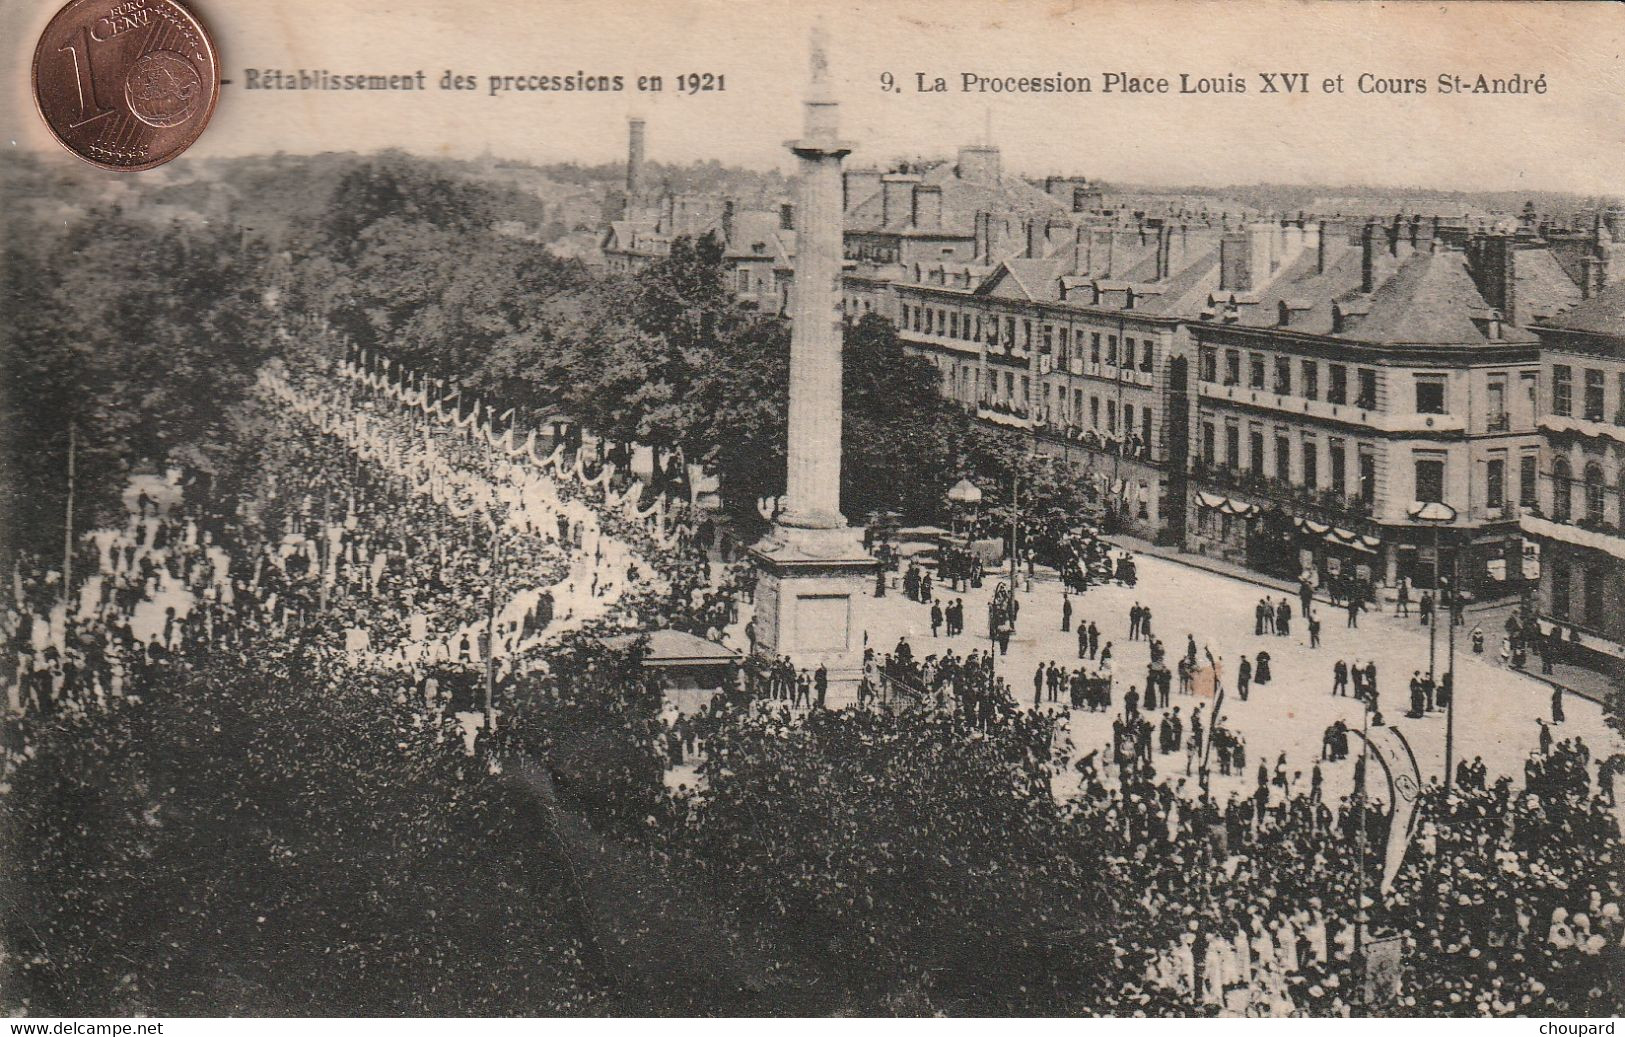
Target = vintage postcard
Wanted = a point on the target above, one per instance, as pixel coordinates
(773, 508)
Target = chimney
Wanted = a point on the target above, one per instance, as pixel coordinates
(896, 197)
(728, 221)
(927, 214)
(1332, 234)
(1163, 234)
(1108, 238)
(1035, 239)
(668, 213)
(1233, 262)
(1291, 242)
(634, 157)
(984, 237)
(1368, 271)
(1080, 199)
(979, 163)
(1080, 251)
(1508, 272)
(787, 216)
(1260, 254)
(858, 186)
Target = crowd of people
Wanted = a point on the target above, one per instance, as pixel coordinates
(406, 557)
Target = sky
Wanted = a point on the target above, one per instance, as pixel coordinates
(1571, 138)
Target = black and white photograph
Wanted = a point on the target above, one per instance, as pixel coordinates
(909, 510)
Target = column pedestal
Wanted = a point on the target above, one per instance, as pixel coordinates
(809, 585)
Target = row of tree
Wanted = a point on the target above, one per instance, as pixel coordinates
(405, 262)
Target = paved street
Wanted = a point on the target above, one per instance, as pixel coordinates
(1496, 709)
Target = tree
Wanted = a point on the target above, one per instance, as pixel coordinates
(143, 339)
(902, 440)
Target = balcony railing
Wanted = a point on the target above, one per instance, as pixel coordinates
(1499, 423)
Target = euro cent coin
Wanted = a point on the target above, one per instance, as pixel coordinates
(126, 84)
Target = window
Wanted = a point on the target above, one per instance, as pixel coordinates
(953, 325)
(1026, 334)
(1232, 446)
(1368, 475)
(1207, 441)
(1065, 346)
(1309, 375)
(1094, 412)
(1562, 390)
(1128, 353)
(1592, 593)
(1339, 466)
(1111, 350)
(1429, 479)
(1128, 421)
(1429, 393)
(1495, 406)
(1026, 391)
(1495, 484)
(1145, 354)
(1283, 376)
(1145, 426)
(1562, 490)
(1046, 339)
(1283, 459)
(1255, 450)
(1368, 390)
(1111, 416)
(1232, 367)
(1077, 406)
(1311, 463)
(1255, 371)
(1593, 394)
(1528, 480)
(1593, 492)
(1094, 348)
(1619, 401)
(1210, 365)
(1338, 390)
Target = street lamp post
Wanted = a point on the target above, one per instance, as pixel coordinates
(1438, 515)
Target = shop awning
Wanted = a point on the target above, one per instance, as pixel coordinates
(1339, 536)
(1226, 504)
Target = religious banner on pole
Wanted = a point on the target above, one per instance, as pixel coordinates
(1404, 787)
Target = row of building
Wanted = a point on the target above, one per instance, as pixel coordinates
(1389, 399)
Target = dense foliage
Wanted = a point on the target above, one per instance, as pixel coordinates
(142, 339)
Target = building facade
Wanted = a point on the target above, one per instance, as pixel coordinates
(1351, 383)
(1578, 522)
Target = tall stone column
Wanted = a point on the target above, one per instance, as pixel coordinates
(811, 565)
(814, 476)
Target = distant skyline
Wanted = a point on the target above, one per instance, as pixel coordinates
(1571, 139)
